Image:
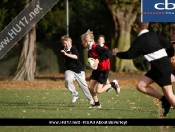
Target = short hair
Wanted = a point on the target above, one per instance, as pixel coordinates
(65, 38)
(88, 36)
(142, 25)
(173, 29)
(101, 36)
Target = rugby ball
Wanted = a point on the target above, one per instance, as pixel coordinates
(90, 63)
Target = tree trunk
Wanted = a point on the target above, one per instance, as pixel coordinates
(123, 17)
(123, 45)
(114, 41)
(27, 62)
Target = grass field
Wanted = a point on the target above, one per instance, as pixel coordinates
(55, 103)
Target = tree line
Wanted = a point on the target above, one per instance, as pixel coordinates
(112, 18)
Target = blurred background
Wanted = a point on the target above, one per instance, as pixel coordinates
(112, 18)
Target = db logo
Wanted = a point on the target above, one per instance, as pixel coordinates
(165, 6)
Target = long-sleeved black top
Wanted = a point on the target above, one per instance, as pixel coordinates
(149, 43)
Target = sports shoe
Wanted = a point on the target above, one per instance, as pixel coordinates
(74, 99)
(109, 89)
(165, 105)
(117, 87)
(91, 102)
(95, 106)
(170, 107)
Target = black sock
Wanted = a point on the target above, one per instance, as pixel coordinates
(163, 98)
(112, 84)
(97, 103)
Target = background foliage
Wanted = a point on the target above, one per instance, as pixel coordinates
(83, 15)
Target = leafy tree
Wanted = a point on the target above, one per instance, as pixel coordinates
(83, 15)
(8, 14)
(53, 24)
(93, 15)
(162, 28)
(112, 18)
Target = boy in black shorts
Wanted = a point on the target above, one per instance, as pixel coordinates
(101, 41)
(157, 51)
(99, 76)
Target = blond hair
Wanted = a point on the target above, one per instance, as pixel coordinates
(88, 36)
(65, 38)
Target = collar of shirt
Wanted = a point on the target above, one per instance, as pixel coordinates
(90, 46)
(102, 45)
(142, 32)
(68, 49)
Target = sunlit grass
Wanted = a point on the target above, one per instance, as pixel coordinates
(56, 103)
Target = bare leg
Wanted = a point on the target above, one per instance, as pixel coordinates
(168, 92)
(107, 82)
(143, 86)
(169, 98)
(102, 88)
(92, 84)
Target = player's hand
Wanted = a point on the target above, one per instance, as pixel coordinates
(87, 66)
(96, 63)
(115, 51)
(62, 51)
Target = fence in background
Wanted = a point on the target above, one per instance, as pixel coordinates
(49, 59)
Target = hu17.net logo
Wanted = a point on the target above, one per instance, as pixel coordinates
(158, 10)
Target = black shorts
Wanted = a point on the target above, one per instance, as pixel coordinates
(159, 78)
(100, 76)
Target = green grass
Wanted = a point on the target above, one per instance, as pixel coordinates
(53, 103)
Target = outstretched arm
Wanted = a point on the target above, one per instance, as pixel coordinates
(133, 52)
(69, 55)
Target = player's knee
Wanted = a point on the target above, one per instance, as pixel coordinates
(139, 87)
(98, 91)
(92, 91)
(167, 90)
(68, 80)
(90, 87)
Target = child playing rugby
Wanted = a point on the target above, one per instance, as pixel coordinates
(98, 77)
(101, 42)
(74, 70)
